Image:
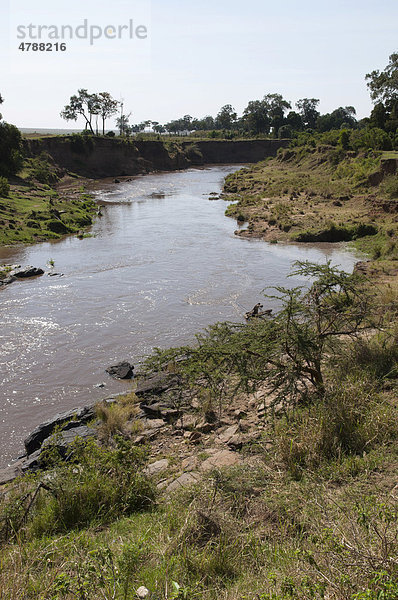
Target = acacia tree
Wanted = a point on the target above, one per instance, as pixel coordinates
(287, 352)
(83, 104)
(107, 107)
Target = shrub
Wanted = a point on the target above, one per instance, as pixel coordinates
(81, 143)
(390, 186)
(4, 187)
(43, 170)
(10, 149)
(371, 138)
(97, 485)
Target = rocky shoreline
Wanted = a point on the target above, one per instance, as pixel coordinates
(157, 420)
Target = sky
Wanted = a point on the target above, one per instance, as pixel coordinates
(190, 57)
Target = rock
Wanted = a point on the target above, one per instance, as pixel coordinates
(100, 385)
(195, 437)
(31, 463)
(222, 458)
(157, 467)
(190, 463)
(142, 591)
(235, 442)
(146, 436)
(62, 440)
(155, 385)
(240, 414)
(195, 404)
(28, 272)
(116, 181)
(226, 435)
(205, 427)
(189, 421)
(123, 370)
(153, 423)
(182, 481)
(362, 267)
(10, 473)
(71, 419)
(8, 280)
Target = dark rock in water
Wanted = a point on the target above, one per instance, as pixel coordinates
(116, 181)
(123, 370)
(8, 280)
(74, 418)
(28, 272)
(156, 385)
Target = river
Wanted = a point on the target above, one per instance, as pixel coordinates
(163, 263)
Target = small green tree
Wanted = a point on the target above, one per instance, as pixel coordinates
(286, 353)
(107, 106)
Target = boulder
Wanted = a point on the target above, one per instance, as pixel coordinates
(157, 467)
(123, 370)
(223, 458)
(28, 272)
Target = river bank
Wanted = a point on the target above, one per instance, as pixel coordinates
(162, 263)
(218, 476)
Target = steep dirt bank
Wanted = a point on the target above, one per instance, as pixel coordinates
(106, 157)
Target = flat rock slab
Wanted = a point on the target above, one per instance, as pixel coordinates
(155, 385)
(227, 434)
(64, 439)
(182, 481)
(222, 458)
(74, 418)
(157, 467)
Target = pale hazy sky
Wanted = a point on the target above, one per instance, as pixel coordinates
(198, 55)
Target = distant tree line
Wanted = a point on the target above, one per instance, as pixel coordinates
(273, 115)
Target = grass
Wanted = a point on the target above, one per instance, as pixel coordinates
(318, 194)
(34, 212)
(311, 514)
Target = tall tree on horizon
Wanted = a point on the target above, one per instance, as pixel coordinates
(107, 107)
(84, 104)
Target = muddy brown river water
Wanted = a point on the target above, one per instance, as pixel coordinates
(163, 264)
